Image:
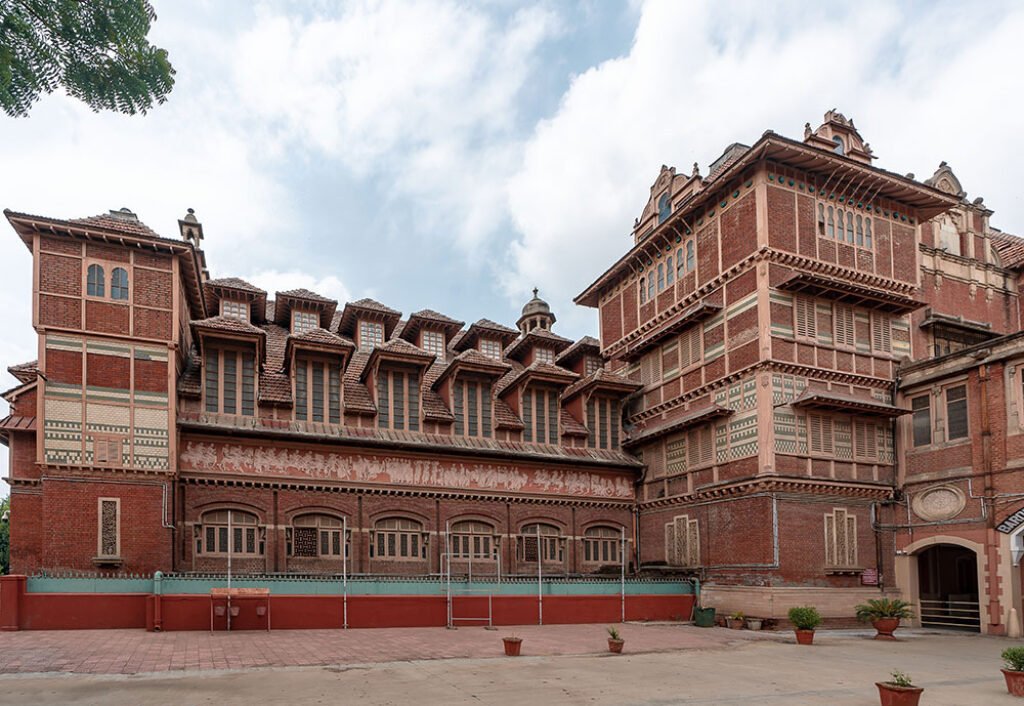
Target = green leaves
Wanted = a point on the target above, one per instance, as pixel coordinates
(97, 51)
(877, 608)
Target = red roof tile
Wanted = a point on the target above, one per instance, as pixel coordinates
(234, 283)
(603, 378)
(14, 422)
(306, 295)
(584, 346)
(24, 372)
(120, 221)
(570, 427)
(504, 417)
(228, 324)
(1010, 249)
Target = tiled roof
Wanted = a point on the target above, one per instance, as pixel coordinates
(1009, 247)
(471, 357)
(131, 225)
(537, 336)
(536, 368)
(487, 323)
(234, 283)
(570, 427)
(587, 344)
(228, 324)
(435, 316)
(367, 303)
(306, 295)
(601, 376)
(434, 407)
(275, 384)
(403, 347)
(504, 417)
(14, 422)
(357, 397)
(190, 382)
(24, 372)
(433, 442)
(322, 337)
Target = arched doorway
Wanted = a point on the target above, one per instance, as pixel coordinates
(947, 579)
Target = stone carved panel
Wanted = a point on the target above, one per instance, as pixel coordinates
(276, 462)
(939, 503)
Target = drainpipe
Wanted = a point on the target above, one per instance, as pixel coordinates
(991, 549)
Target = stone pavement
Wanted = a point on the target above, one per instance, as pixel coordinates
(733, 669)
(137, 651)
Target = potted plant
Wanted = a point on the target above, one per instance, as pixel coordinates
(512, 645)
(899, 691)
(615, 641)
(885, 615)
(754, 623)
(1014, 670)
(804, 619)
(735, 620)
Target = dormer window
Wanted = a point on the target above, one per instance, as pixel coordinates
(490, 348)
(433, 342)
(234, 309)
(303, 321)
(544, 355)
(371, 334)
(591, 365)
(840, 148)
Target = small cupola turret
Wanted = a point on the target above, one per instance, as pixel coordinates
(536, 315)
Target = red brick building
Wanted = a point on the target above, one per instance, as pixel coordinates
(778, 312)
(752, 413)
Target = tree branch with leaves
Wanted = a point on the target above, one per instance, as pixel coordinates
(96, 50)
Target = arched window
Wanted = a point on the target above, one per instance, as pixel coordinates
(119, 283)
(601, 544)
(95, 281)
(840, 148)
(247, 537)
(643, 290)
(664, 208)
(691, 258)
(543, 540)
(849, 226)
(860, 230)
(669, 272)
(398, 538)
(680, 266)
(867, 232)
(317, 536)
(821, 219)
(661, 276)
(472, 539)
(650, 285)
(831, 223)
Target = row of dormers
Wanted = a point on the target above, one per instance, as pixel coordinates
(426, 373)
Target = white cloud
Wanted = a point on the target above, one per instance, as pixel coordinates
(276, 281)
(924, 84)
(422, 95)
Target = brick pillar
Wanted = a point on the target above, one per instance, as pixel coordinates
(12, 588)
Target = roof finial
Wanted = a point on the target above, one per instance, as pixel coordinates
(535, 290)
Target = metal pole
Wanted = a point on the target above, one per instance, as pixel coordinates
(622, 566)
(540, 580)
(344, 573)
(447, 572)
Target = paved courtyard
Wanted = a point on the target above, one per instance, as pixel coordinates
(663, 664)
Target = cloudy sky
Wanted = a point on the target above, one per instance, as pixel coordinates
(453, 155)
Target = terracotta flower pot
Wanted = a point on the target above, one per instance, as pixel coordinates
(735, 623)
(615, 645)
(1014, 682)
(804, 637)
(885, 628)
(892, 695)
(512, 646)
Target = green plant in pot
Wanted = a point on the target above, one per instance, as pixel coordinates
(805, 619)
(615, 641)
(1013, 671)
(885, 615)
(735, 620)
(898, 691)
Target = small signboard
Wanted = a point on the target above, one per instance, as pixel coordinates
(1012, 522)
(869, 577)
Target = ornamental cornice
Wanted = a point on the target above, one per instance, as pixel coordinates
(774, 485)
